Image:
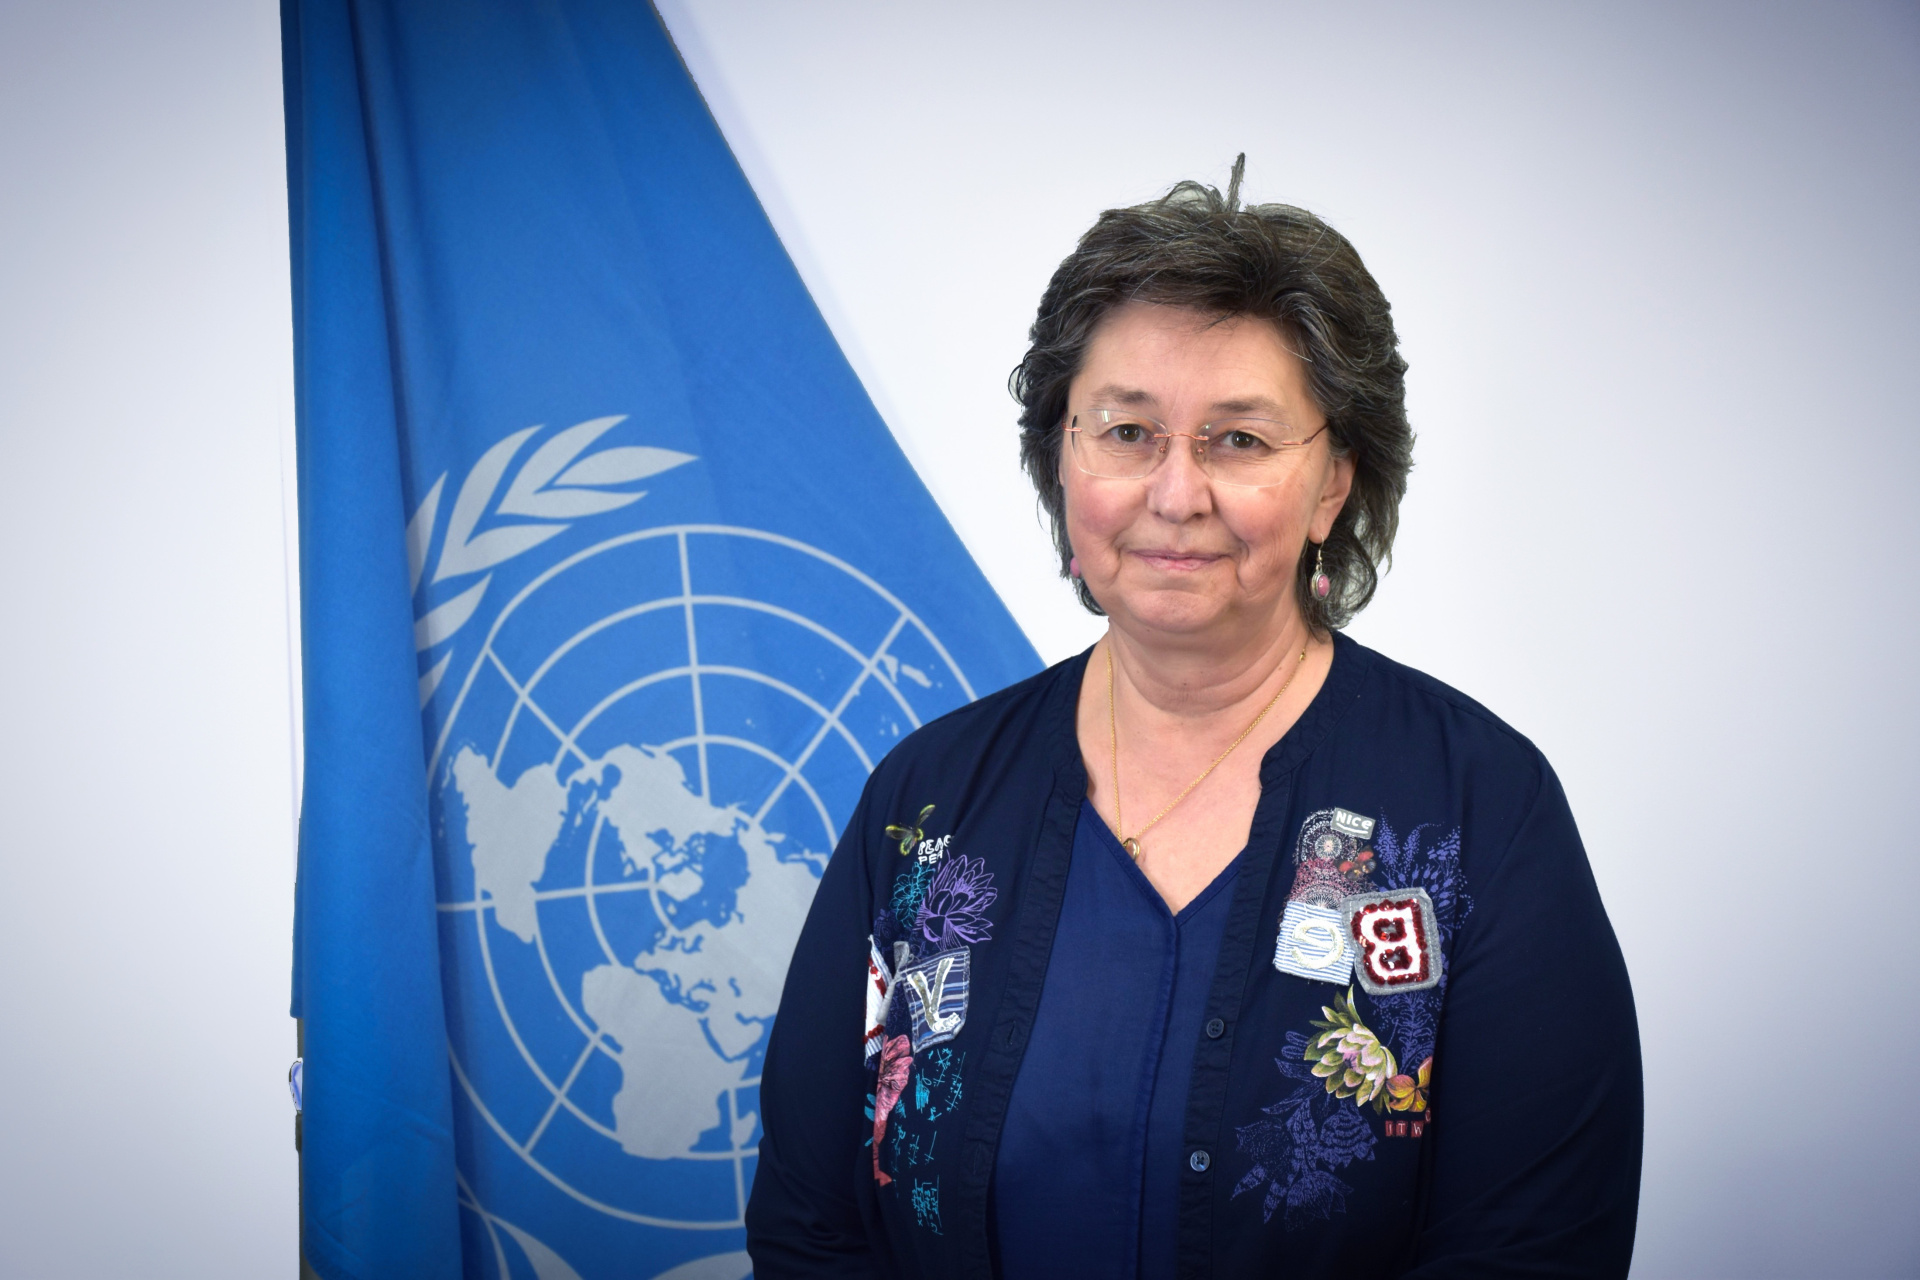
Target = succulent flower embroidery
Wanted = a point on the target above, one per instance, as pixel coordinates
(953, 912)
(1349, 1057)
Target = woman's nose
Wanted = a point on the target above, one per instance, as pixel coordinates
(1179, 487)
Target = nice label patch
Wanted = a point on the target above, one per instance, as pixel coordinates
(937, 989)
(1395, 939)
(1357, 825)
(1314, 943)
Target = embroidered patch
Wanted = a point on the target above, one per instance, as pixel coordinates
(953, 909)
(1331, 859)
(937, 990)
(879, 987)
(1314, 943)
(1349, 1057)
(1397, 942)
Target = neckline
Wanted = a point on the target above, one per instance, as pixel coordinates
(1103, 834)
(1351, 662)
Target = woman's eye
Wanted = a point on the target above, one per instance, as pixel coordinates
(1129, 433)
(1241, 441)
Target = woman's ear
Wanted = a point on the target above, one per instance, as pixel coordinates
(1333, 497)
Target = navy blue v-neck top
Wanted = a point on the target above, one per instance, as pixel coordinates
(1087, 1180)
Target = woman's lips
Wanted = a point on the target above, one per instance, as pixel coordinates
(1177, 561)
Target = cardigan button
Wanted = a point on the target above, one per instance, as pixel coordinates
(1216, 1029)
(1199, 1161)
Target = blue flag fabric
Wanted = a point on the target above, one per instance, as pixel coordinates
(614, 589)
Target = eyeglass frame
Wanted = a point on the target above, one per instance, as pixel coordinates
(1164, 435)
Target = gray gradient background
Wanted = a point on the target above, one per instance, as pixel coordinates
(1655, 268)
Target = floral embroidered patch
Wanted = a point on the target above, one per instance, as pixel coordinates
(1348, 1056)
(953, 911)
(1355, 1064)
(1331, 859)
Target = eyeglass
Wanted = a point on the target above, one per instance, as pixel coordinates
(1251, 453)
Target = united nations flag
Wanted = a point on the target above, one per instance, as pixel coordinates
(614, 589)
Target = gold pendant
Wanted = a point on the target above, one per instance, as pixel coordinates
(1132, 847)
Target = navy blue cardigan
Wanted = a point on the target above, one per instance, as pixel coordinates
(1489, 1125)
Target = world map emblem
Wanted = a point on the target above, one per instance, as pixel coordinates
(639, 775)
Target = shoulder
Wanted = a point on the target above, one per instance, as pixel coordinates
(989, 766)
(1022, 721)
(1422, 737)
(1411, 700)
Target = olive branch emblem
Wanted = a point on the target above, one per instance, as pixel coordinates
(556, 485)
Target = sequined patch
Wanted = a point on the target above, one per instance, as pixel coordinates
(1396, 941)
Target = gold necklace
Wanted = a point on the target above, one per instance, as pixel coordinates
(1132, 843)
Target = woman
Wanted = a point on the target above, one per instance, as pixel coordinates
(1228, 947)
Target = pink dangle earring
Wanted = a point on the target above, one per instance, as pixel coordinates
(1322, 584)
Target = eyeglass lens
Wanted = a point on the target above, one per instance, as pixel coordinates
(1245, 451)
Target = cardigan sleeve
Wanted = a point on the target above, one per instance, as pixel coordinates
(1536, 1135)
(803, 1217)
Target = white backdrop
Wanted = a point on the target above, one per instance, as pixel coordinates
(146, 814)
(1654, 269)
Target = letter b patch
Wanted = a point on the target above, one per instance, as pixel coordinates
(1396, 943)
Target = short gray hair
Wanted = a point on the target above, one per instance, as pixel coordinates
(1196, 248)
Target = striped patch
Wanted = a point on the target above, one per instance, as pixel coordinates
(937, 996)
(1313, 943)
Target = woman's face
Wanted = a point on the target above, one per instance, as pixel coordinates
(1177, 555)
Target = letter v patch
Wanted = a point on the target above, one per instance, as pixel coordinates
(937, 989)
